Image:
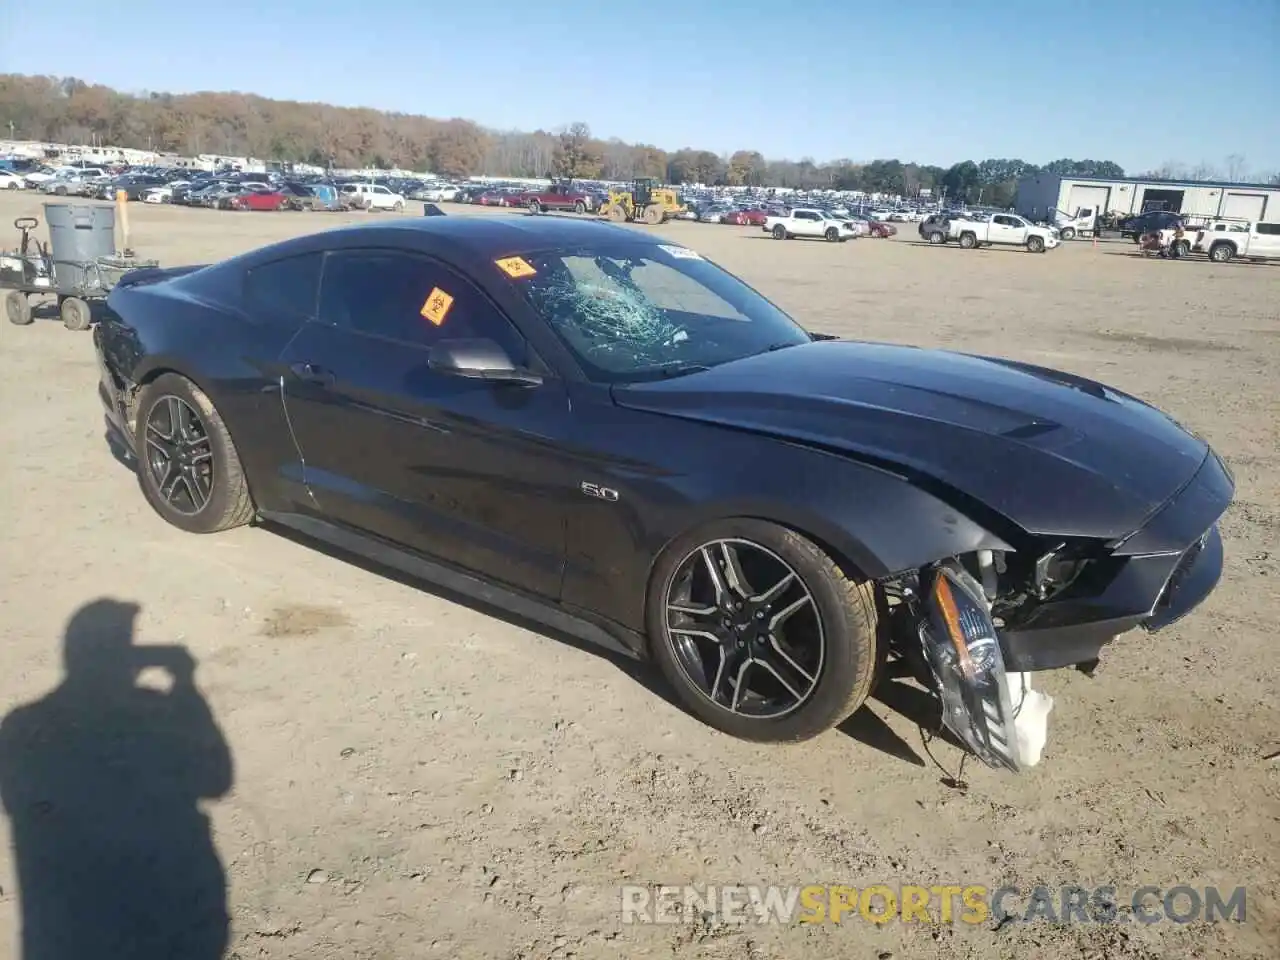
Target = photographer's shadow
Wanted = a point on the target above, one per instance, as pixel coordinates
(100, 779)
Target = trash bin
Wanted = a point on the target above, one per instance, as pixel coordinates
(79, 233)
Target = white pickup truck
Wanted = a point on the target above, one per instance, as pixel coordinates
(1224, 240)
(1004, 229)
(810, 223)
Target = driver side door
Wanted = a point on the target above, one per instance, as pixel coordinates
(463, 470)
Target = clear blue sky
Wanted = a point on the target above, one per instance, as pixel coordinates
(924, 80)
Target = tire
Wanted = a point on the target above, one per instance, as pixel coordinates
(653, 215)
(17, 308)
(937, 238)
(227, 502)
(13, 186)
(968, 241)
(398, 206)
(61, 191)
(75, 314)
(779, 232)
(535, 207)
(1035, 244)
(579, 207)
(832, 234)
(836, 682)
(617, 213)
(1068, 234)
(1184, 248)
(1220, 252)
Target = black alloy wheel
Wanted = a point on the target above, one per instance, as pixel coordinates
(760, 632)
(188, 467)
(179, 455)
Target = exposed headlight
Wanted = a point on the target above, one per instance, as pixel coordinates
(962, 648)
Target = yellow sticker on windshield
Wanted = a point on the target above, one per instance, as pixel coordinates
(515, 267)
(437, 305)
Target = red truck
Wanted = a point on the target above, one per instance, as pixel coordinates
(559, 196)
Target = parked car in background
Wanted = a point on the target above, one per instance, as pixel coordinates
(259, 200)
(745, 218)
(1227, 240)
(561, 195)
(12, 181)
(1149, 222)
(814, 224)
(1002, 229)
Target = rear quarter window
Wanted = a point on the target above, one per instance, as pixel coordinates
(1270, 229)
(284, 291)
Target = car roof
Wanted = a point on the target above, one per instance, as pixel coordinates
(494, 236)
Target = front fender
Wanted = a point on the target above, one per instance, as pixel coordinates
(672, 476)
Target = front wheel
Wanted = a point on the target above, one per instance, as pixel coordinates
(1035, 244)
(832, 234)
(188, 467)
(398, 207)
(760, 632)
(17, 308)
(1068, 233)
(579, 207)
(779, 232)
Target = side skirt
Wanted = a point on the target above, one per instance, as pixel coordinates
(567, 619)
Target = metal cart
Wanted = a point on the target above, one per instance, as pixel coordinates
(32, 271)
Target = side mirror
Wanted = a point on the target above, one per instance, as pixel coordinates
(478, 359)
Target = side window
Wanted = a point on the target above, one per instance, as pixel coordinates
(284, 290)
(1269, 229)
(411, 299)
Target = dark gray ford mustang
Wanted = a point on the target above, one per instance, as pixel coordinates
(580, 420)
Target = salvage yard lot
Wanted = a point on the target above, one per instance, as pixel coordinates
(416, 777)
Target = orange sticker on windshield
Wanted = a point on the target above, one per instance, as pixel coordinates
(437, 305)
(515, 267)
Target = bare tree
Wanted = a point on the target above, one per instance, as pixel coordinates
(1235, 167)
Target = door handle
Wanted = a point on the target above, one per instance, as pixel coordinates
(310, 373)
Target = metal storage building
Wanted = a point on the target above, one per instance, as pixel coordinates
(1038, 195)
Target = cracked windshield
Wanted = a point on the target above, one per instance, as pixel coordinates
(646, 313)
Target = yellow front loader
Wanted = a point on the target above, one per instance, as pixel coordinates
(645, 201)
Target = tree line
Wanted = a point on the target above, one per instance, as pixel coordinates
(68, 110)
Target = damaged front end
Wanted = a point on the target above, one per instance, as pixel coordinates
(977, 627)
(993, 711)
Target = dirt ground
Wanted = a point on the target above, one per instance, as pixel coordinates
(415, 777)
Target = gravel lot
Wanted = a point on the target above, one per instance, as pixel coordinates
(416, 777)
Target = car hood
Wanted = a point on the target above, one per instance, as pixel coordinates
(1054, 453)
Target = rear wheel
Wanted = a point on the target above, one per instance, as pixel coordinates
(75, 314)
(579, 207)
(188, 467)
(17, 308)
(760, 632)
(968, 240)
(1184, 248)
(1220, 253)
(779, 232)
(936, 238)
(617, 213)
(535, 206)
